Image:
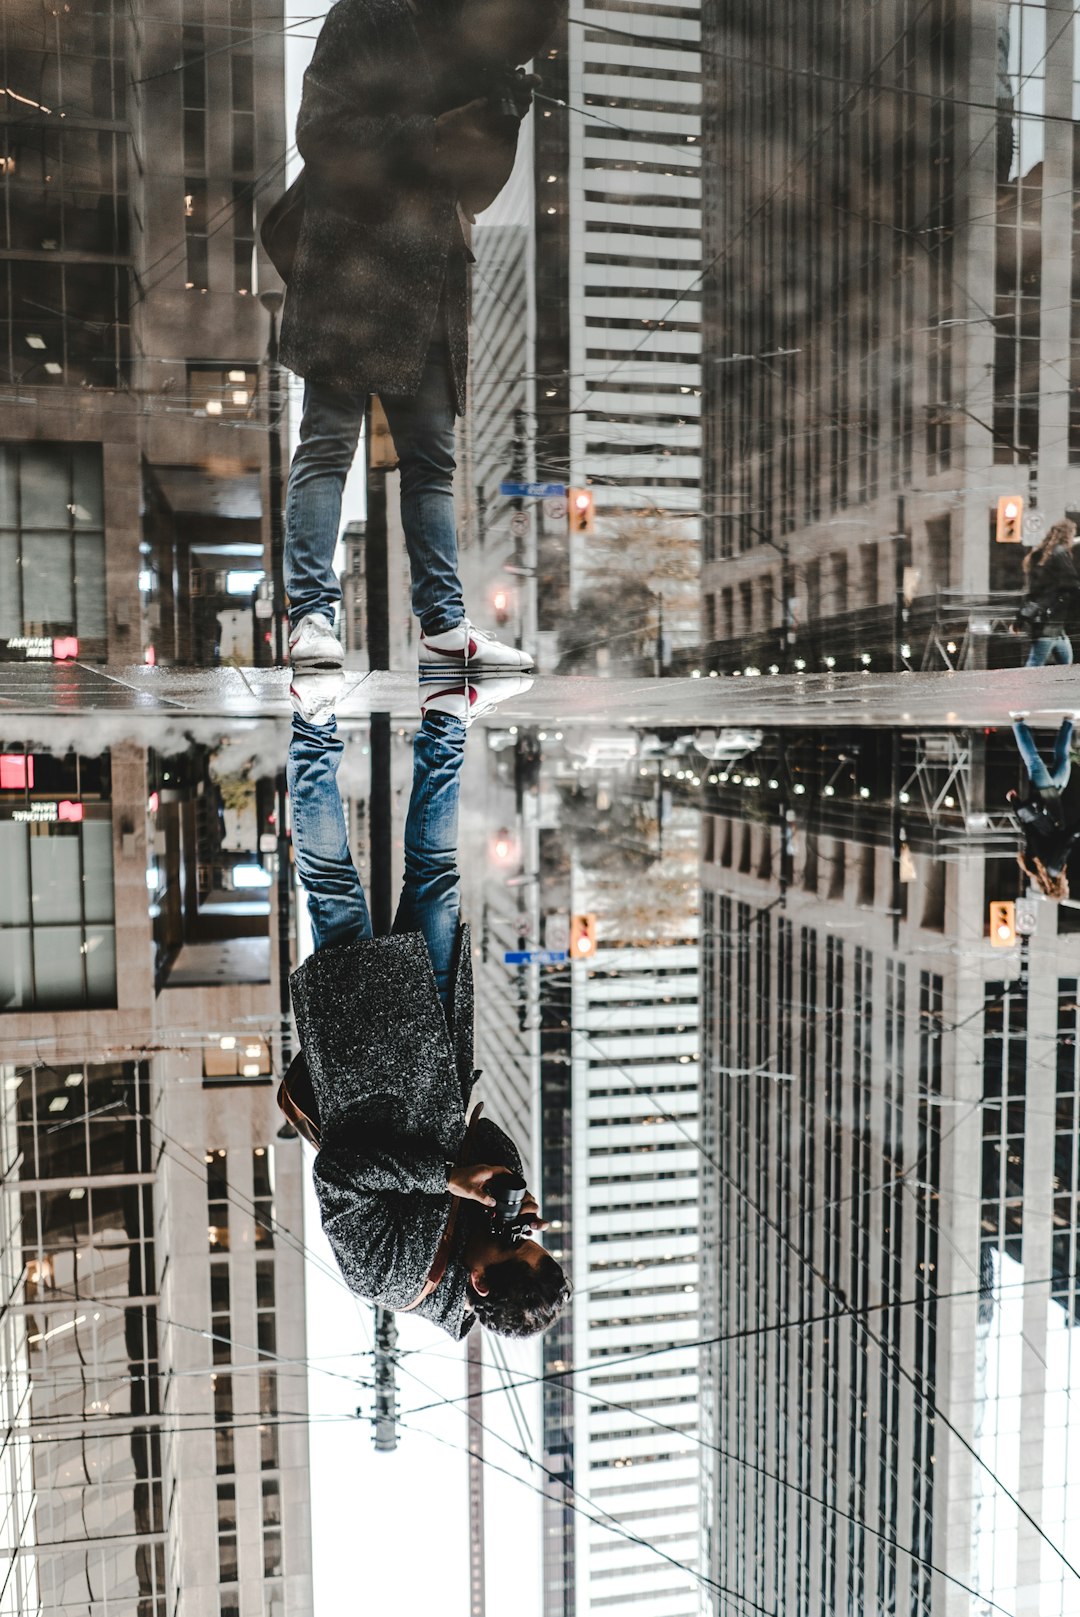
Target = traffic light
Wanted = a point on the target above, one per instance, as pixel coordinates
(1010, 519)
(501, 603)
(582, 936)
(1002, 924)
(503, 846)
(582, 510)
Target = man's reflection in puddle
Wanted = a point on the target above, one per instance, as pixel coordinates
(383, 1081)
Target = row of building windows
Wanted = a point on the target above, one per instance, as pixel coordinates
(221, 1325)
(809, 1207)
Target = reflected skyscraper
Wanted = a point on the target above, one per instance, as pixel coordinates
(619, 1073)
(888, 1213)
(151, 1218)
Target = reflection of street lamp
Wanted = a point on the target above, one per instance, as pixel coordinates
(272, 302)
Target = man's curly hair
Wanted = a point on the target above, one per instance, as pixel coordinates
(522, 1300)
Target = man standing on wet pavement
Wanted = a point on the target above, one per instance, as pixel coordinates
(385, 1074)
(408, 127)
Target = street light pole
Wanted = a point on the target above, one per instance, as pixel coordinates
(271, 302)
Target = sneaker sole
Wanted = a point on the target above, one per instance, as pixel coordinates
(334, 663)
(477, 670)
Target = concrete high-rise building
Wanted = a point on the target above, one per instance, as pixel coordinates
(617, 130)
(889, 310)
(622, 1030)
(151, 1217)
(151, 1225)
(496, 434)
(888, 1213)
(137, 152)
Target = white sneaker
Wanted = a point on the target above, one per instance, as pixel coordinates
(474, 651)
(313, 644)
(315, 693)
(471, 699)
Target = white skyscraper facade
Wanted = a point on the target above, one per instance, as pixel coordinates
(635, 1267)
(618, 260)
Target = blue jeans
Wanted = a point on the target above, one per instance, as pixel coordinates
(423, 431)
(1042, 778)
(430, 897)
(1049, 648)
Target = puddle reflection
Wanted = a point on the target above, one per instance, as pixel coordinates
(785, 1036)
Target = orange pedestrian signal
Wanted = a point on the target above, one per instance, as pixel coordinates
(1002, 924)
(582, 510)
(1010, 519)
(582, 937)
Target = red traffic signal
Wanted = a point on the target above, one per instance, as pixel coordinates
(582, 936)
(1002, 924)
(1010, 519)
(582, 509)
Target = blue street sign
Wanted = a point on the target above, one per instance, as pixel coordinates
(535, 957)
(531, 491)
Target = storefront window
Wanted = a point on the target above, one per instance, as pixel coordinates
(57, 917)
(52, 551)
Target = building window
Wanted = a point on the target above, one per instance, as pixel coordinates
(243, 237)
(193, 87)
(195, 235)
(268, 1409)
(243, 112)
(263, 1193)
(57, 918)
(1018, 249)
(105, 1112)
(223, 1423)
(52, 550)
(217, 1200)
(265, 1319)
(227, 1557)
(271, 1527)
(220, 1312)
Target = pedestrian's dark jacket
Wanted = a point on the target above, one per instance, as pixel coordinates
(392, 1077)
(381, 240)
(1055, 587)
(1047, 835)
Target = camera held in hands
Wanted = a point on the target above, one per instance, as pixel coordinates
(507, 1219)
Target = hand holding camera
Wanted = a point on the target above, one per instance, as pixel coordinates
(471, 1182)
(514, 1209)
(476, 143)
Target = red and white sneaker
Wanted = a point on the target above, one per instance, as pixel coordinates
(313, 644)
(470, 650)
(315, 692)
(469, 700)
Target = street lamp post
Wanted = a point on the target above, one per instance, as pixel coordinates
(271, 302)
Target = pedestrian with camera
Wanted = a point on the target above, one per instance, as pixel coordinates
(424, 1213)
(1051, 597)
(1050, 834)
(408, 127)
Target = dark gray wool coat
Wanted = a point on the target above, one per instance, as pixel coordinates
(381, 237)
(393, 1080)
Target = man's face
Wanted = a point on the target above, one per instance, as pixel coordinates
(530, 1252)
